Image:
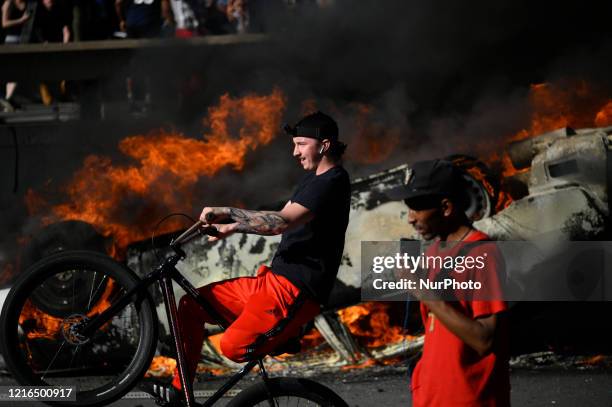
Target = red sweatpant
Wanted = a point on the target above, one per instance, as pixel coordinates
(253, 305)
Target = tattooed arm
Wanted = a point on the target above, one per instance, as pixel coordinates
(257, 222)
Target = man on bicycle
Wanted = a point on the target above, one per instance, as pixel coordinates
(264, 311)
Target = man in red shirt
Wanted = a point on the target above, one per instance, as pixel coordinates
(465, 355)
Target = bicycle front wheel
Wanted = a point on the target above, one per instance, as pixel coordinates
(39, 341)
(286, 391)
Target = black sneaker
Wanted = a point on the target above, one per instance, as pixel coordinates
(164, 393)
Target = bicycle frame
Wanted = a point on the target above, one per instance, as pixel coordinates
(165, 274)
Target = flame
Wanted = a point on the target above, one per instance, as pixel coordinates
(603, 118)
(122, 200)
(571, 103)
(48, 327)
(369, 323)
(34, 201)
(594, 360)
(312, 339)
(502, 198)
(308, 106)
(371, 142)
(213, 371)
(215, 342)
(362, 365)
(549, 111)
(161, 366)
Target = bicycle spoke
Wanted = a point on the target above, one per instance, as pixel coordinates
(53, 360)
(73, 293)
(76, 350)
(97, 289)
(91, 290)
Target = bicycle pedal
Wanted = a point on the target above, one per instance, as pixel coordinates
(164, 394)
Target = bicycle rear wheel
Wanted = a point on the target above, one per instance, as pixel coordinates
(41, 348)
(288, 391)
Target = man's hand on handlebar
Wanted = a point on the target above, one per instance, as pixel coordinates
(215, 214)
(218, 218)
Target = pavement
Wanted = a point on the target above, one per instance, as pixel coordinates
(388, 386)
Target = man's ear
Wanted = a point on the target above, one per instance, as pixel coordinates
(324, 146)
(447, 207)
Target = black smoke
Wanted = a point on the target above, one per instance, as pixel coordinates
(444, 76)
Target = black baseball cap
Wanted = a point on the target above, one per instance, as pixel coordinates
(429, 181)
(316, 125)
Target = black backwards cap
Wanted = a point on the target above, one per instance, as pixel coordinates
(429, 179)
(316, 125)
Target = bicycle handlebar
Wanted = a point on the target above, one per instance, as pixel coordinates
(193, 231)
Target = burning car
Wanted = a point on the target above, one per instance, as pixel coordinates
(560, 192)
(554, 186)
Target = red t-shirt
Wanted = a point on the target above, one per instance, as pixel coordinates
(450, 373)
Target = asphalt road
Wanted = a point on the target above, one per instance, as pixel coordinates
(388, 387)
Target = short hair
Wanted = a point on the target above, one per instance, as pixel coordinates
(336, 149)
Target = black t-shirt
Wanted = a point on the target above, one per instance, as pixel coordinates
(49, 23)
(143, 13)
(309, 255)
(15, 13)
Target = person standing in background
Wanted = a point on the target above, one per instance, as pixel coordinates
(185, 20)
(143, 18)
(14, 16)
(52, 24)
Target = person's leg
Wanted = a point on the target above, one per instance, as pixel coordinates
(45, 94)
(276, 304)
(10, 90)
(10, 86)
(227, 298)
(7, 104)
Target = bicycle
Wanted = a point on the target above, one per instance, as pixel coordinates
(78, 311)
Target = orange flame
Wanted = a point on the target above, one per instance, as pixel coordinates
(308, 106)
(312, 339)
(594, 360)
(372, 142)
(48, 326)
(570, 103)
(161, 366)
(123, 200)
(34, 201)
(603, 118)
(553, 106)
(369, 323)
